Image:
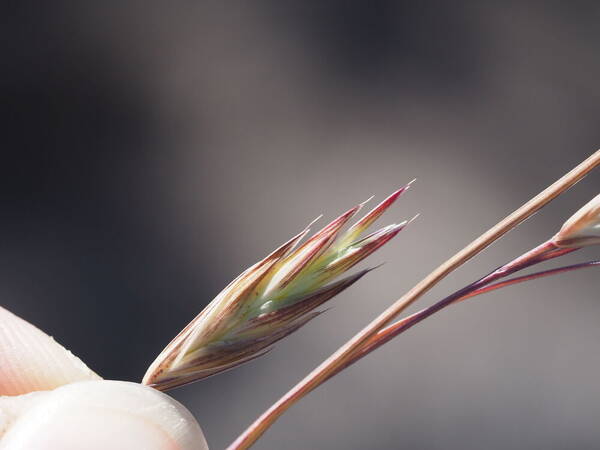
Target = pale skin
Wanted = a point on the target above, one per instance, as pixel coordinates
(49, 400)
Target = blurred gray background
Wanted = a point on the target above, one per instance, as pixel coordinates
(152, 150)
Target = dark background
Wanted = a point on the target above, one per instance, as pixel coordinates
(152, 150)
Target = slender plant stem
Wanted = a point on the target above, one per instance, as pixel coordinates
(532, 276)
(346, 351)
(474, 289)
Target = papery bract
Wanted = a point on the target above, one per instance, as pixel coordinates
(582, 228)
(271, 299)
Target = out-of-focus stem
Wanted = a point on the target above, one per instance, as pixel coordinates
(345, 353)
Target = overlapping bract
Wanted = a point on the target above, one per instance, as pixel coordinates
(582, 228)
(271, 299)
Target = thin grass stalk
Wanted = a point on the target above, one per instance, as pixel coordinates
(530, 277)
(345, 353)
(479, 287)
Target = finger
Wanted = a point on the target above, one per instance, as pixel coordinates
(98, 415)
(30, 360)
